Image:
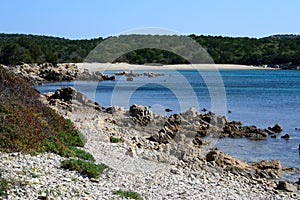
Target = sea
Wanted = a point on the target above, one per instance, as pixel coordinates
(254, 97)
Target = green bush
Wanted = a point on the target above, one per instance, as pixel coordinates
(86, 168)
(82, 154)
(114, 139)
(128, 194)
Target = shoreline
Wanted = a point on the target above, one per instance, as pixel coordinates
(92, 67)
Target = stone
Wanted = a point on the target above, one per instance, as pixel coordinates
(140, 114)
(285, 186)
(276, 128)
(168, 132)
(198, 141)
(223, 160)
(272, 165)
(286, 136)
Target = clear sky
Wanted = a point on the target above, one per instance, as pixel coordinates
(94, 18)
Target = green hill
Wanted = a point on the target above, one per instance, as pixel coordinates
(277, 49)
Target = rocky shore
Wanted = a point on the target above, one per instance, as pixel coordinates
(155, 156)
(159, 157)
(47, 72)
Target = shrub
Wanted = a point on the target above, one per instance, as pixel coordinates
(82, 154)
(87, 168)
(3, 187)
(28, 125)
(114, 139)
(128, 194)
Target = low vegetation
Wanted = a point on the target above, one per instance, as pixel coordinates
(114, 139)
(28, 125)
(128, 194)
(85, 168)
(3, 187)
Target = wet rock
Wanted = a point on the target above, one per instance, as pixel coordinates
(276, 128)
(286, 136)
(168, 110)
(140, 114)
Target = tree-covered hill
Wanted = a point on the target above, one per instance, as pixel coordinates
(278, 49)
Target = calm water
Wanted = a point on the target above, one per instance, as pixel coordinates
(255, 97)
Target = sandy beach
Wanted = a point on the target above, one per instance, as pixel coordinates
(125, 66)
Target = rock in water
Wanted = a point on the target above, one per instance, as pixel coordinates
(140, 114)
(286, 136)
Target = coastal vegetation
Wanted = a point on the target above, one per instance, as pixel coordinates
(128, 194)
(28, 125)
(280, 49)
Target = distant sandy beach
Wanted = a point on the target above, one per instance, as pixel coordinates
(125, 66)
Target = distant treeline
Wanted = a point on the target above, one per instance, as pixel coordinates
(279, 49)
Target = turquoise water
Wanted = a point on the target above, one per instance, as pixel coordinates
(255, 97)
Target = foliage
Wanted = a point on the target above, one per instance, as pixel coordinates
(87, 168)
(3, 187)
(28, 125)
(19, 48)
(114, 140)
(82, 154)
(128, 194)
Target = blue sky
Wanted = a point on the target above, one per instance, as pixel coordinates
(94, 18)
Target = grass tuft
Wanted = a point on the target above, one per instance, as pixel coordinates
(87, 168)
(128, 194)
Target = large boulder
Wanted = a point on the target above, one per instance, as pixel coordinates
(140, 114)
(224, 160)
(69, 96)
(269, 166)
(285, 186)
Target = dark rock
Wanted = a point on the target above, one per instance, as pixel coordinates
(70, 95)
(286, 136)
(273, 136)
(276, 128)
(229, 111)
(204, 110)
(198, 141)
(168, 110)
(140, 114)
(285, 186)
